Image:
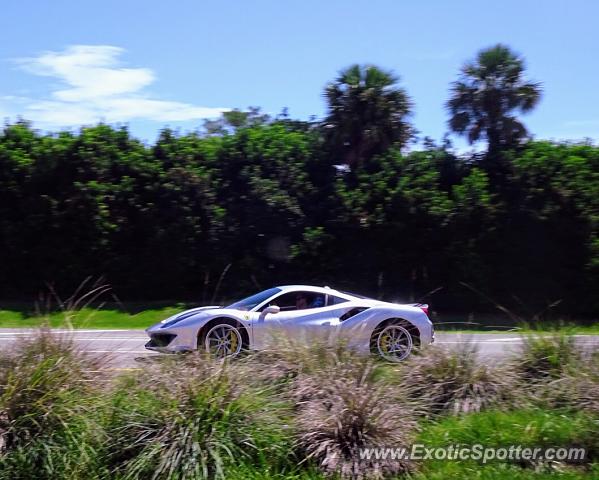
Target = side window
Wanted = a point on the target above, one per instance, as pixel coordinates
(298, 301)
(333, 300)
(285, 302)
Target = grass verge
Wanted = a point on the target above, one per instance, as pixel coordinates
(105, 318)
(296, 413)
(87, 318)
(529, 428)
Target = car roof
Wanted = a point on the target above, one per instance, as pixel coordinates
(313, 288)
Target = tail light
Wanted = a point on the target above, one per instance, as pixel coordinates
(424, 308)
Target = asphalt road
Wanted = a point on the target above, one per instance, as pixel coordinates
(124, 349)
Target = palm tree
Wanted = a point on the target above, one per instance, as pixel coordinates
(366, 114)
(490, 91)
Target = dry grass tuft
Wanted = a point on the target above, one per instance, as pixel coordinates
(456, 381)
(545, 357)
(341, 406)
(576, 388)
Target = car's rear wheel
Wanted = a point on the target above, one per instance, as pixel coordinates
(393, 342)
(222, 340)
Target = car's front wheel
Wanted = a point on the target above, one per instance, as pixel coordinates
(393, 342)
(222, 340)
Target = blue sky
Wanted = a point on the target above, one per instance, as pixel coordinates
(154, 63)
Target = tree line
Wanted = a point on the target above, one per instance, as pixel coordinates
(351, 201)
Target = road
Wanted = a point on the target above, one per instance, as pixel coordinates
(125, 348)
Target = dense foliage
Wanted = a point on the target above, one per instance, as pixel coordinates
(255, 201)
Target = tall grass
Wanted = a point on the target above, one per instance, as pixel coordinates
(344, 406)
(294, 411)
(456, 381)
(194, 424)
(583, 385)
(45, 385)
(542, 357)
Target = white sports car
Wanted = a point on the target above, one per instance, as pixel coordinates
(387, 329)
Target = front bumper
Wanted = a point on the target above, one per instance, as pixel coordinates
(170, 340)
(160, 341)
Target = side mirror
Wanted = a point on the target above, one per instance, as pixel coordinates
(272, 309)
(269, 309)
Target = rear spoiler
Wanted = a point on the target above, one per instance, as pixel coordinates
(421, 306)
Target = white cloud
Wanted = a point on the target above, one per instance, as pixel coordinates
(95, 87)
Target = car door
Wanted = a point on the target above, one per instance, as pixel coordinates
(312, 321)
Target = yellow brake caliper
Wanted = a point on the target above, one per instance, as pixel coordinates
(385, 343)
(233, 341)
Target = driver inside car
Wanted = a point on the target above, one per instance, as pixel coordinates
(302, 301)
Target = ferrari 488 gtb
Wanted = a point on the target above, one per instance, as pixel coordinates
(390, 330)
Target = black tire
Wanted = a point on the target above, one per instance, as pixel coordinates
(237, 340)
(394, 340)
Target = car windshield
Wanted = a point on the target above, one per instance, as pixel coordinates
(255, 300)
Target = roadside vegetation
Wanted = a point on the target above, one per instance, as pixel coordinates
(291, 412)
(357, 200)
